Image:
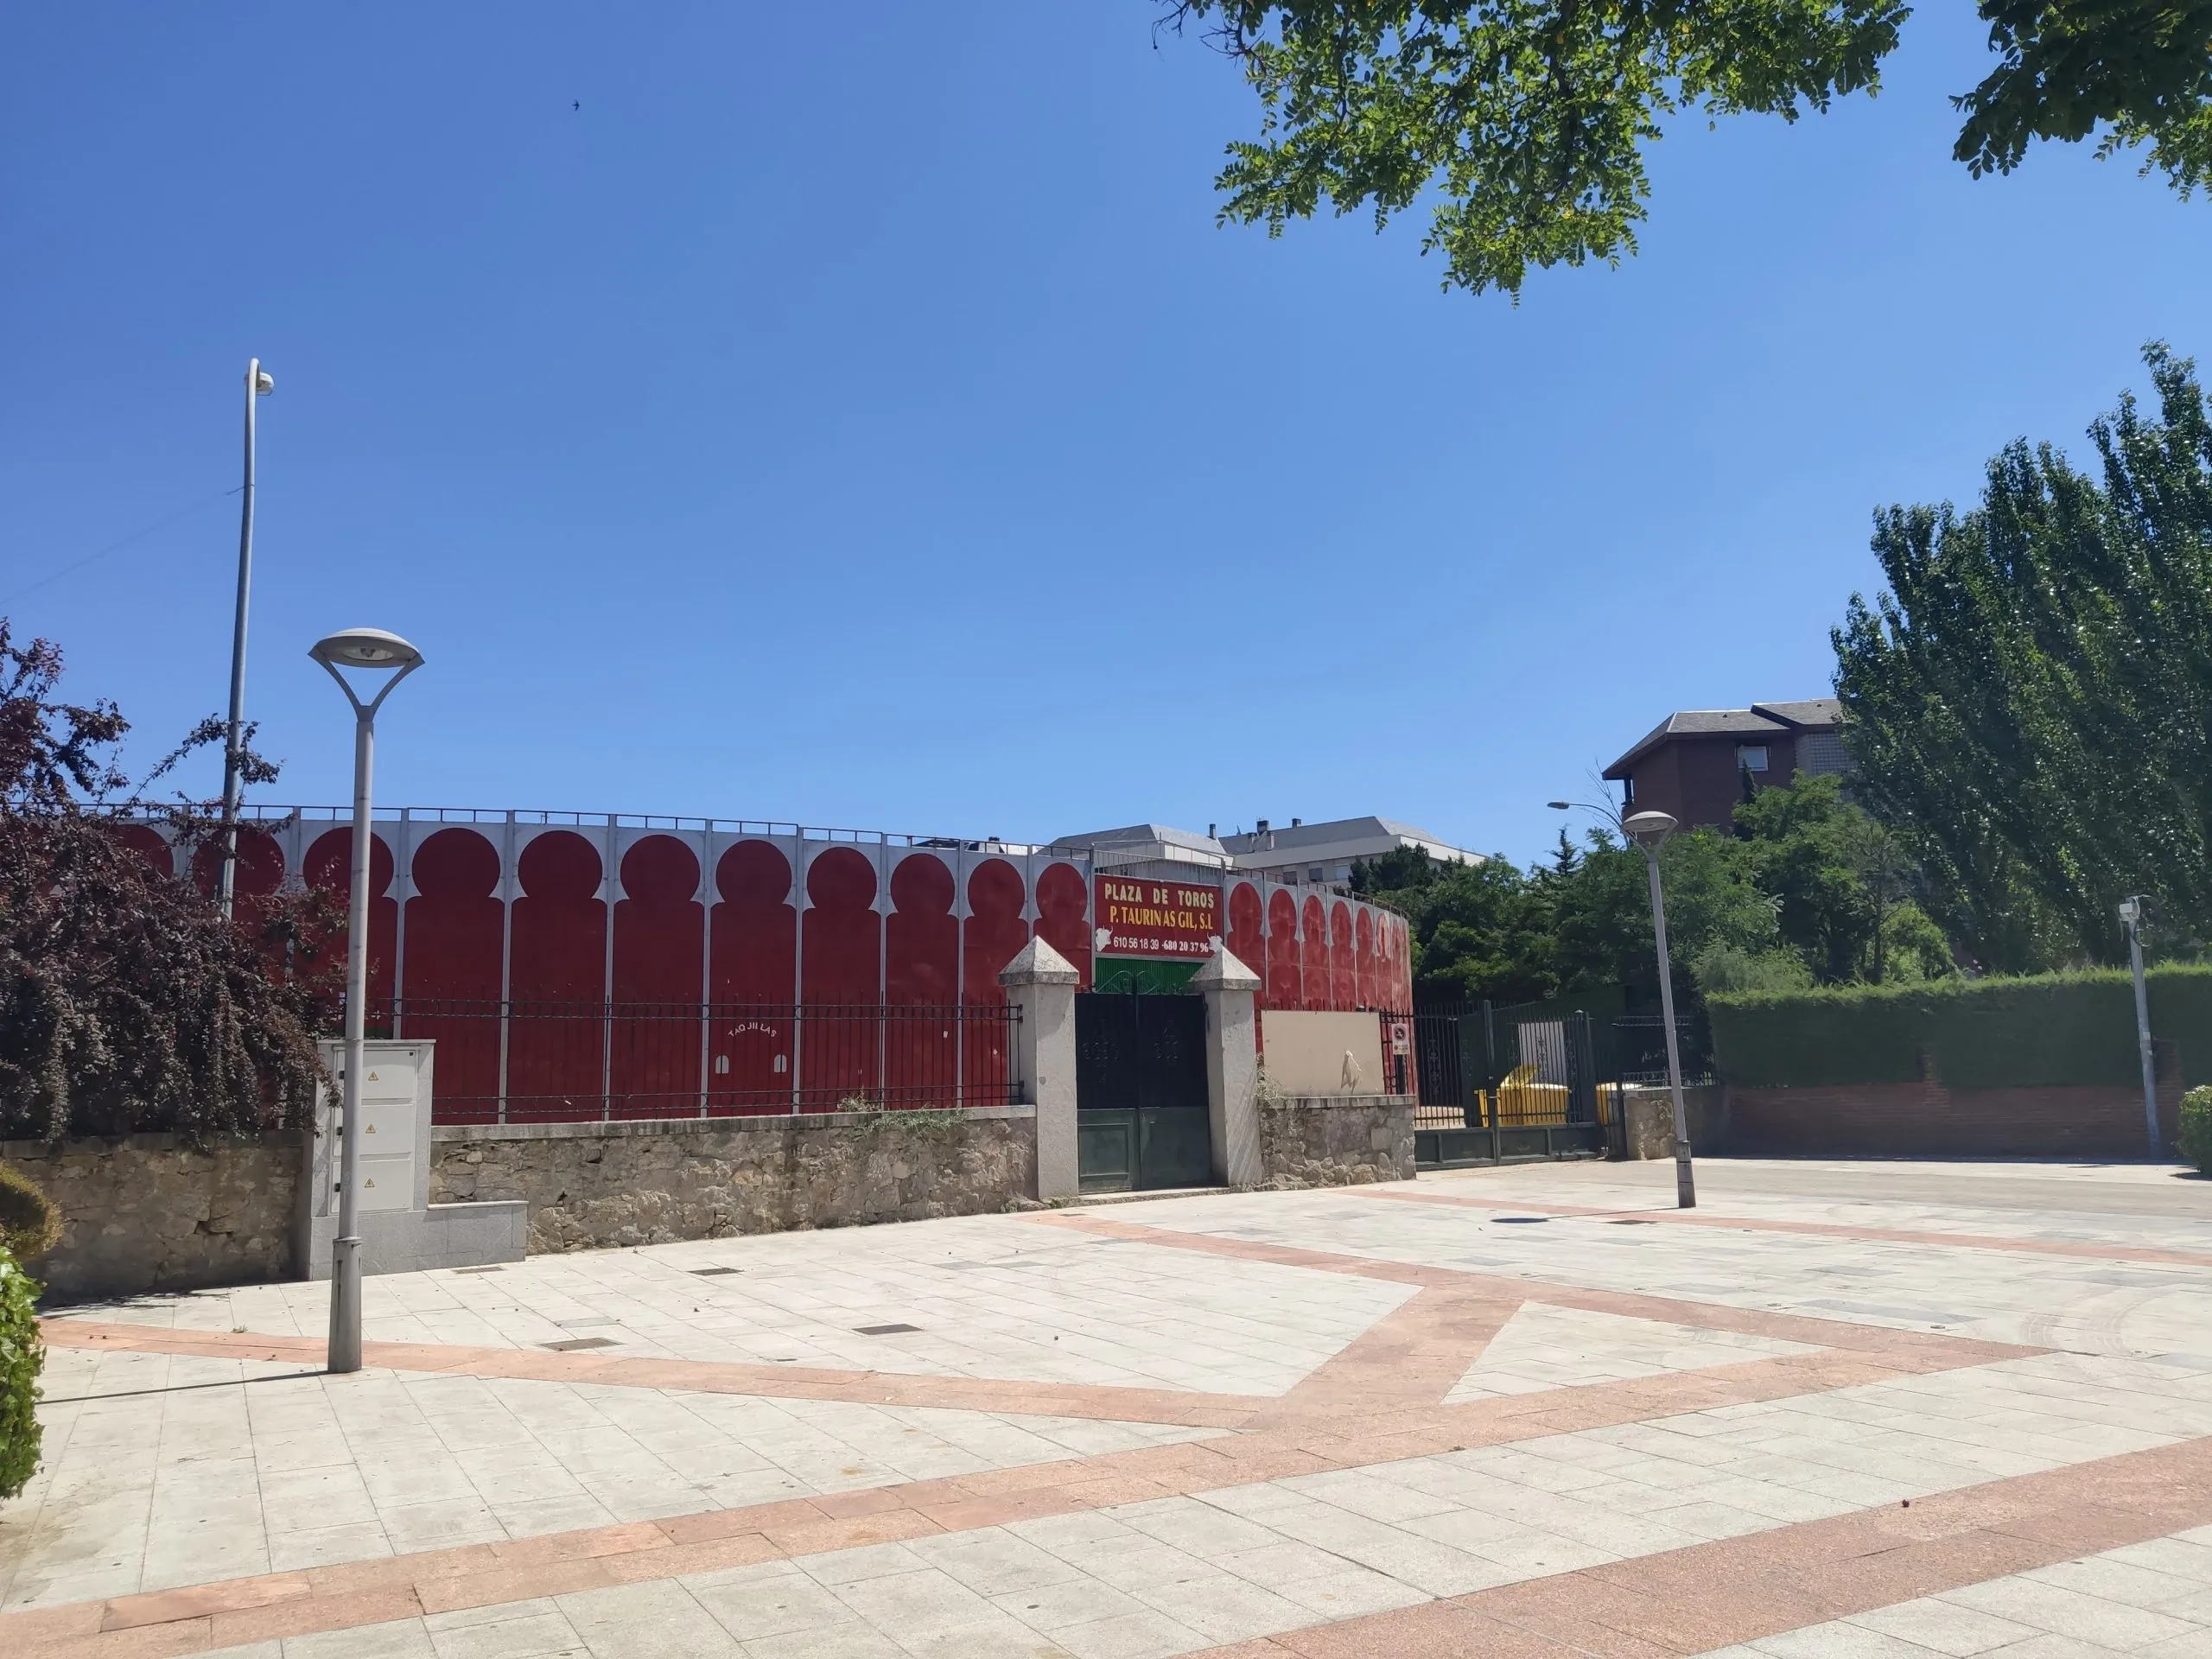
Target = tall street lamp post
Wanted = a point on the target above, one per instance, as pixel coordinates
(1648, 830)
(259, 385)
(374, 650)
(2131, 912)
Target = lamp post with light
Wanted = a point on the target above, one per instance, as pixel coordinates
(373, 649)
(259, 385)
(1648, 830)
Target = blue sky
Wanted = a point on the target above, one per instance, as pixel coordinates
(860, 420)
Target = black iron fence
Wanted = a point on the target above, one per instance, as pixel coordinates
(525, 1062)
(1640, 1049)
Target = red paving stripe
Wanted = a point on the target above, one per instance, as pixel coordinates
(1807, 1229)
(1716, 1316)
(1101, 1403)
(1716, 1595)
(1680, 1602)
(1411, 1357)
(1430, 1330)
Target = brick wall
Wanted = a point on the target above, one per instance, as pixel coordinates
(1926, 1120)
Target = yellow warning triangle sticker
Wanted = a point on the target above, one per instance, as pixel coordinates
(372, 1077)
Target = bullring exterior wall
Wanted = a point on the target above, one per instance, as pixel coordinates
(505, 937)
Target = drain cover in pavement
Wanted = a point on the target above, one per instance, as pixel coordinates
(476, 1269)
(1522, 1220)
(574, 1343)
(883, 1330)
(709, 1273)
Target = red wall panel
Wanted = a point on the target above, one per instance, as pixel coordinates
(991, 937)
(921, 969)
(922, 936)
(329, 865)
(840, 960)
(1063, 895)
(1363, 957)
(994, 932)
(149, 844)
(754, 980)
(1344, 971)
(557, 975)
(1247, 937)
(660, 939)
(260, 872)
(1314, 951)
(1283, 989)
(454, 926)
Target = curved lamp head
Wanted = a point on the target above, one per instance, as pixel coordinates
(264, 383)
(364, 648)
(1561, 806)
(1649, 826)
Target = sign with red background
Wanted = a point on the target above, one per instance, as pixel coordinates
(1177, 920)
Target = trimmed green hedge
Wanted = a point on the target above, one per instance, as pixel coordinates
(2197, 1128)
(20, 1356)
(1986, 1034)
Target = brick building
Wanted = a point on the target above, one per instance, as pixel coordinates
(1697, 764)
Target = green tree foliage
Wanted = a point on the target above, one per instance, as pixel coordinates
(2138, 71)
(1526, 121)
(1841, 888)
(1479, 931)
(2031, 698)
(127, 1001)
(1584, 920)
(2197, 1128)
(1808, 891)
(1602, 914)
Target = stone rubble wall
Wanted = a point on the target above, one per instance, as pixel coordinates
(594, 1186)
(155, 1212)
(1650, 1113)
(1335, 1139)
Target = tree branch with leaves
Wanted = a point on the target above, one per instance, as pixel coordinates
(1528, 121)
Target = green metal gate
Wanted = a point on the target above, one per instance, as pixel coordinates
(1141, 1093)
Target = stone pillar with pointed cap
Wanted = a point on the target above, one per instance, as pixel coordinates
(1232, 1066)
(1041, 983)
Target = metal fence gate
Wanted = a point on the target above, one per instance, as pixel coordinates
(1140, 1093)
(1535, 1080)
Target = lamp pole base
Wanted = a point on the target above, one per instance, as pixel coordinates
(345, 1305)
(1685, 1184)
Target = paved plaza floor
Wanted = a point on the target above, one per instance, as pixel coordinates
(1869, 1410)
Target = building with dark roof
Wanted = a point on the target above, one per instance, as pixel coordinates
(1299, 855)
(1696, 765)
